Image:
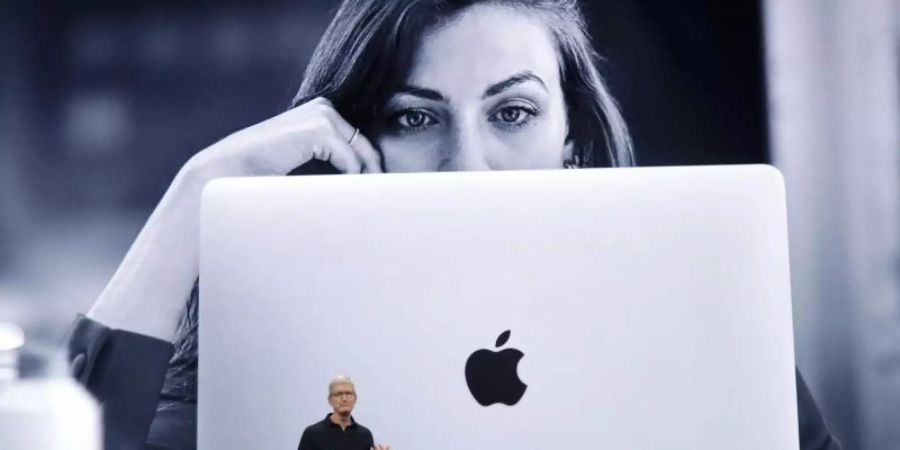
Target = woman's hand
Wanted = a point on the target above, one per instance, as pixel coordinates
(147, 293)
(314, 130)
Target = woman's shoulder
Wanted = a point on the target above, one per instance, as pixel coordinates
(814, 433)
(174, 427)
(175, 423)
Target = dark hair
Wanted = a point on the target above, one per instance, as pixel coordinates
(364, 56)
(367, 51)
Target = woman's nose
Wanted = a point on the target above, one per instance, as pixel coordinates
(467, 150)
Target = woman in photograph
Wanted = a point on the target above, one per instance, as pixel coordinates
(393, 86)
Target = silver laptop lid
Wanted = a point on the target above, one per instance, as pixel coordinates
(646, 308)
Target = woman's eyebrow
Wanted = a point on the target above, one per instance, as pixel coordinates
(492, 90)
(518, 78)
(429, 94)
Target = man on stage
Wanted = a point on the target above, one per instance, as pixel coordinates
(338, 431)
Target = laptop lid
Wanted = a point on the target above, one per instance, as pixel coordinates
(638, 308)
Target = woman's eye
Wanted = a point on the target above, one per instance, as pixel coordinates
(513, 116)
(413, 119)
(510, 114)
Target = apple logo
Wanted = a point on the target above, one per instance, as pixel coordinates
(492, 376)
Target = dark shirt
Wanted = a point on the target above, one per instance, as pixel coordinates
(327, 435)
(126, 371)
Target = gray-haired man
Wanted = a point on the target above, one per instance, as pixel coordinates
(338, 431)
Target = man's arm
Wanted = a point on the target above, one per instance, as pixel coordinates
(371, 445)
(305, 441)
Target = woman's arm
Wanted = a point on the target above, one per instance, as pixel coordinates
(121, 350)
(147, 293)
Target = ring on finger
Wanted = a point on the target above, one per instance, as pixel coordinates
(353, 138)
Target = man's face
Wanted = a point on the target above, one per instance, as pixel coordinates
(342, 398)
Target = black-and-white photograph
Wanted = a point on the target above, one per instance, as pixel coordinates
(406, 224)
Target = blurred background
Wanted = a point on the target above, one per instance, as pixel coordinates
(102, 101)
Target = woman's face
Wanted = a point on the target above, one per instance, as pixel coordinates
(483, 94)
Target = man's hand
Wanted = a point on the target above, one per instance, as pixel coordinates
(381, 447)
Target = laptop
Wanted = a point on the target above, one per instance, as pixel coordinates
(630, 308)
